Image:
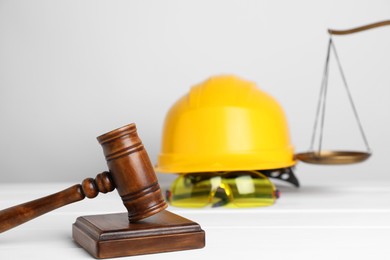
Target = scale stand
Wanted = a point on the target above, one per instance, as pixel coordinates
(336, 157)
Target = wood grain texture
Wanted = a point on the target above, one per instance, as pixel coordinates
(111, 235)
(17, 215)
(132, 172)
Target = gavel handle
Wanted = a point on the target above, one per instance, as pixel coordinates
(16, 215)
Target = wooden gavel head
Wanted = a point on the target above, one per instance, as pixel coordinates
(132, 172)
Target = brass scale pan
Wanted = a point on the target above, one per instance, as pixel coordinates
(339, 157)
(333, 157)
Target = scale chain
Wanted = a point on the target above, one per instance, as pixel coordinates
(350, 97)
(321, 99)
(321, 106)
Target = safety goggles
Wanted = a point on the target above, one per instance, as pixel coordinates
(239, 189)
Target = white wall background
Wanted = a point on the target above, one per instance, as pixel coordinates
(72, 70)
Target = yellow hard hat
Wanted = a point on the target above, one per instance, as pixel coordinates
(225, 124)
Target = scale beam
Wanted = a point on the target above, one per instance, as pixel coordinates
(359, 29)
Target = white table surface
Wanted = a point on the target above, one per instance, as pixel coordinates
(349, 220)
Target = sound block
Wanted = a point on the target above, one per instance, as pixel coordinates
(111, 235)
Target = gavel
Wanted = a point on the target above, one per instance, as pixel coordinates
(130, 172)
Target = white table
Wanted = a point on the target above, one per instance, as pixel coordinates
(318, 221)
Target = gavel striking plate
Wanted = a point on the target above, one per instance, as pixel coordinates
(146, 227)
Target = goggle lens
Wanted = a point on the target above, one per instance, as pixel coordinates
(231, 189)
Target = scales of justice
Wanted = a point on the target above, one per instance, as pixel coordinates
(316, 155)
